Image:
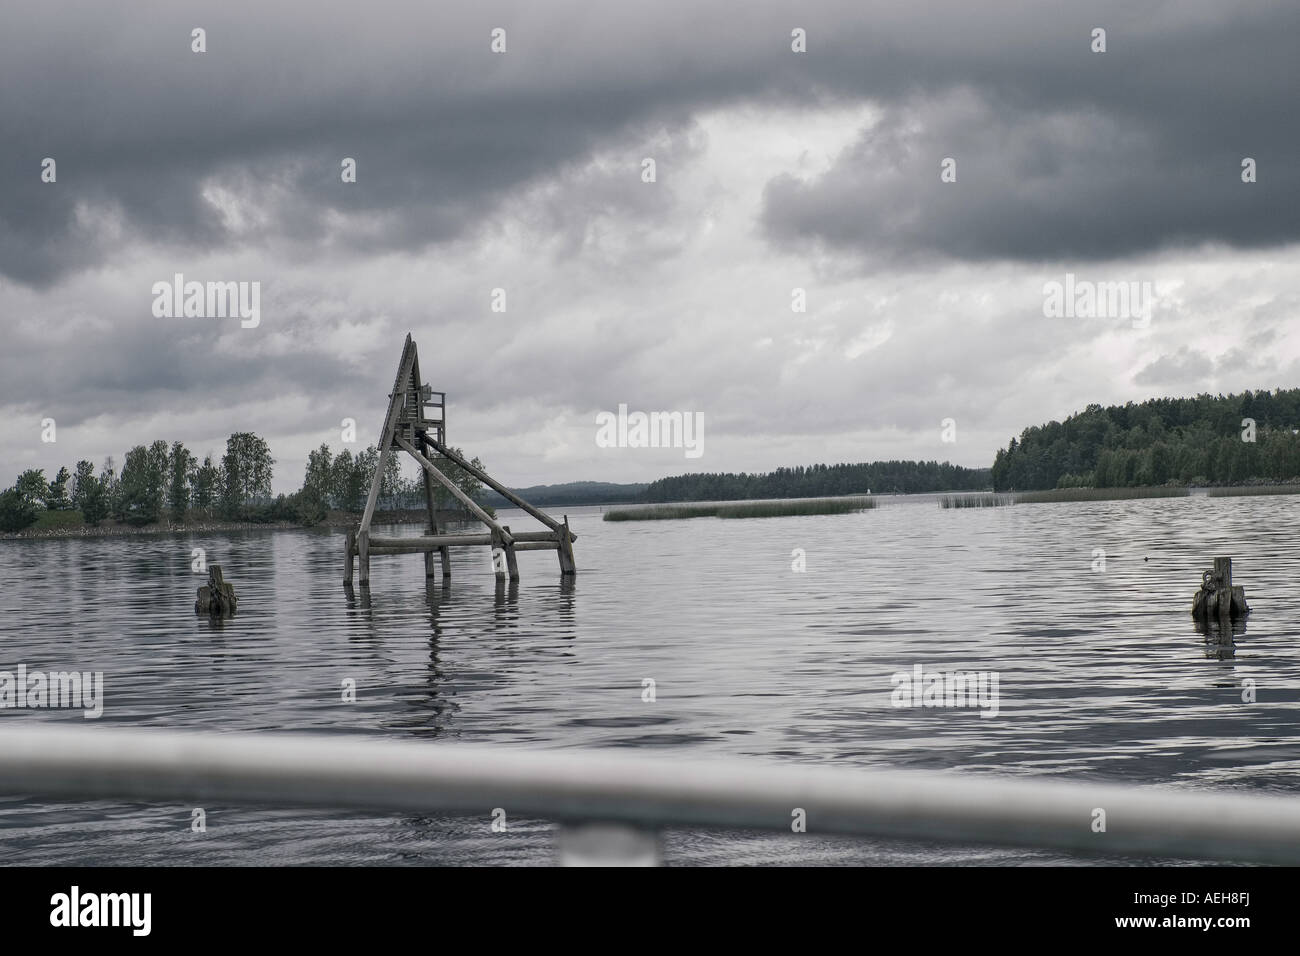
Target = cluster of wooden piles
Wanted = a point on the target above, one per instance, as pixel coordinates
(1218, 600)
(416, 424)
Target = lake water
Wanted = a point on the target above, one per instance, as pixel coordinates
(1101, 674)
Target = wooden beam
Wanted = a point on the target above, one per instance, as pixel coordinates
(424, 545)
(450, 485)
(386, 434)
(496, 486)
(433, 542)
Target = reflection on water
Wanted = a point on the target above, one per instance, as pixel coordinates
(1102, 675)
(1220, 638)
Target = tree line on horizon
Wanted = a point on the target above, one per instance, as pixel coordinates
(1164, 441)
(816, 481)
(161, 480)
(1209, 439)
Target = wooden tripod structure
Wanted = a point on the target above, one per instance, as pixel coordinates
(409, 426)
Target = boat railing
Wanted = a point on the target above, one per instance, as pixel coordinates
(611, 805)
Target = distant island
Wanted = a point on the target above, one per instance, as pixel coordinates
(817, 481)
(572, 493)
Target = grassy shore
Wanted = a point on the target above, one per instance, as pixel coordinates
(745, 509)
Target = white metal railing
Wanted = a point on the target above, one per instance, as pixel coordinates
(645, 792)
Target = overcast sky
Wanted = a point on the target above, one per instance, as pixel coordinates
(522, 170)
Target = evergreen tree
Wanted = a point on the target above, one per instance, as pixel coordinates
(111, 488)
(57, 496)
(206, 482)
(80, 481)
(142, 481)
(180, 465)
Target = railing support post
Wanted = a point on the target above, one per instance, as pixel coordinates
(607, 844)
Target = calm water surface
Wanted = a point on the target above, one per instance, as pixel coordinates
(1102, 675)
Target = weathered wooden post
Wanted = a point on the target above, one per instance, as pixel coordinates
(430, 557)
(567, 565)
(424, 444)
(349, 552)
(1223, 596)
(363, 556)
(498, 563)
(217, 597)
(1217, 599)
(512, 562)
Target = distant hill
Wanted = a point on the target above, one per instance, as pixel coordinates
(571, 493)
(1196, 441)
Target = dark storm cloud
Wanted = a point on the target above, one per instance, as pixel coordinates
(1060, 151)
(139, 125)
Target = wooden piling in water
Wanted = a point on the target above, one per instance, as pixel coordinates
(217, 597)
(349, 552)
(363, 556)
(1218, 599)
(512, 563)
(567, 565)
(444, 556)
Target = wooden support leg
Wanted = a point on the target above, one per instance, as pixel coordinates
(498, 565)
(512, 562)
(444, 556)
(350, 549)
(433, 558)
(567, 565)
(363, 553)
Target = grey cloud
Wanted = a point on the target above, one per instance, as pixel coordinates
(1186, 367)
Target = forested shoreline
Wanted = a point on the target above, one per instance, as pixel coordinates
(165, 483)
(1251, 438)
(1206, 440)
